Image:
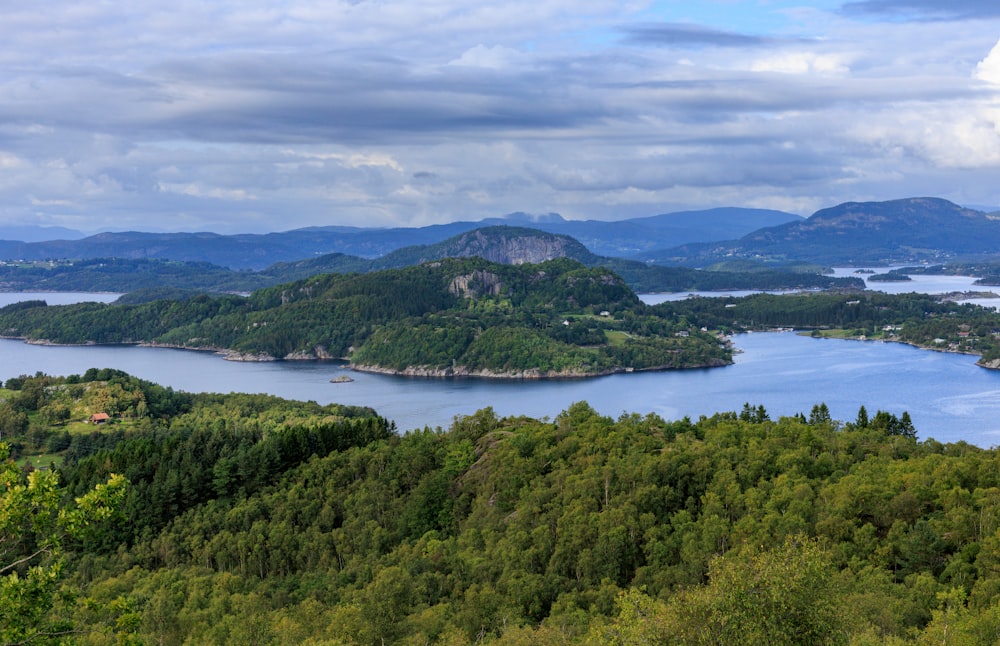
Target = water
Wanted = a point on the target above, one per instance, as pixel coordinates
(57, 298)
(948, 397)
(927, 285)
(920, 284)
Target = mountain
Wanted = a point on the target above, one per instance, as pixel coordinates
(628, 238)
(254, 251)
(32, 233)
(912, 230)
(503, 244)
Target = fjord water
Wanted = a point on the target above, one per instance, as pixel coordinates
(947, 395)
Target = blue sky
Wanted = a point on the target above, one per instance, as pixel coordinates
(264, 115)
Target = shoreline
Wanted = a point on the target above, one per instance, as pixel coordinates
(518, 375)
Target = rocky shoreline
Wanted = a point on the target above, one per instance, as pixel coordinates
(534, 374)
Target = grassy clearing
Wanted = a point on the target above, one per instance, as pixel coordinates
(43, 461)
(616, 338)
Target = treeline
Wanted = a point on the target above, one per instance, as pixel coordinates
(644, 278)
(988, 272)
(555, 317)
(734, 528)
(125, 275)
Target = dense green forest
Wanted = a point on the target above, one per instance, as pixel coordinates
(458, 316)
(243, 519)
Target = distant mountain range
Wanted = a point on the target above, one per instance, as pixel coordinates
(912, 230)
(621, 238)
(501, 244)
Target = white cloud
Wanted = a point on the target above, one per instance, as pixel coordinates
(988, 69)
(497, 57)
(803, 63)
(213, 192)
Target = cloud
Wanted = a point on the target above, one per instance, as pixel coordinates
(688, 35)
(803, 63)
(496, 57)
(988, 69)
(924, 9)
(250, 116)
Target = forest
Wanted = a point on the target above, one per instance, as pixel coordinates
(247, 519)
(459, 316)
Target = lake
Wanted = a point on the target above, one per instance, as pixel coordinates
(947, 395)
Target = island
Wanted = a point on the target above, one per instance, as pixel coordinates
(452, 317)
(889, 277)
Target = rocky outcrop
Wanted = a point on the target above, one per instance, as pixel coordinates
(233, 355)
(993, 364)
(476, 284)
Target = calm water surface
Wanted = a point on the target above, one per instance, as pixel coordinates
(919, 284)
(948, 397)
(56, 298)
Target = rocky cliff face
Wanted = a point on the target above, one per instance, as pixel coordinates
(513, 249)
(476, 284)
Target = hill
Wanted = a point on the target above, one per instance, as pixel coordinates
(251, 251)
(450, 317)
(503, 244)
(913, 230)
(247, 519)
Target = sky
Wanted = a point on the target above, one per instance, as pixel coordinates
(252, 116)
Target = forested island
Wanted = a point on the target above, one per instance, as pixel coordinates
(890, 277)
(451, 317)
(132, 513)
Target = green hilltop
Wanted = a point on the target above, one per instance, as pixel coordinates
(247, 519)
